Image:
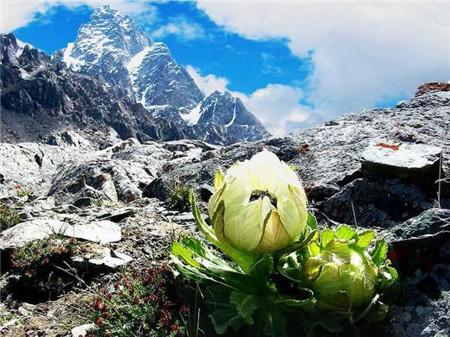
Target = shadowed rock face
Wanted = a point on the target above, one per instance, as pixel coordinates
(225, 120)
(159, 80)
(42, 100)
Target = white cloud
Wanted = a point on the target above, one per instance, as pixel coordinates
(362, 52)
(18, 13)
(182, 28)
(208, 83)
(276, 105)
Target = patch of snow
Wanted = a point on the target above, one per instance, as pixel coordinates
(234, 115)
(69, 60)
(21, 46)
(193, 116)
(137, 59)
(29, 75)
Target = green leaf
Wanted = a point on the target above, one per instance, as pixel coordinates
(333, 322)
(327, 236)
(179, 250)
(275, 324)
(219, 178)
(311, 221)
(314, 248)
(364, 239)
(262, 268)
(345, 233)
(296, 246)
(304, 299)
(246, 305)
(379, 253)
(195, 261)
(224, 319)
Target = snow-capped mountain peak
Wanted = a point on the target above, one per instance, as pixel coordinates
(113, 47)
(105, 45)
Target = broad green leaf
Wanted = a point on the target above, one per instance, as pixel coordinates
(275, 324)
(201, 264)
(314, 248)
(379, 253)
(304, 299)
(262, 268)
(296, 246)
(326, 237)
(364, 239)
(333, 322)
(181, 251)
(224, 319)
(345, 233)
(246, 305)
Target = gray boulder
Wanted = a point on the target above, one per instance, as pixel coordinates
(419, 163)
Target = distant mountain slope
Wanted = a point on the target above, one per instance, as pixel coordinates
(41, 99)
(158, 80)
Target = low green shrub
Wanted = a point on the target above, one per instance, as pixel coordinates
(141, 303)
(8, 218)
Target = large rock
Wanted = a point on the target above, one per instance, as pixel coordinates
(419, 163)
(376, 202)
(33, 165)
(431, 222)
(102, 231)
(24, 232)
(116, 173)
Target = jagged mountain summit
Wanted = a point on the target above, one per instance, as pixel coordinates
(105, 45)
(223, 118)
(113, 47)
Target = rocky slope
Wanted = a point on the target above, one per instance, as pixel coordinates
(112, 46)
(374, 169)
(158, 80)
(43, 101)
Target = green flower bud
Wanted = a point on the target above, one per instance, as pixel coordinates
(259, 205)
(339, 271)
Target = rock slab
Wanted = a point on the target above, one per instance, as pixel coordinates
(416, 162)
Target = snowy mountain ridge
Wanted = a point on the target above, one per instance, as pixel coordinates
(113, 47)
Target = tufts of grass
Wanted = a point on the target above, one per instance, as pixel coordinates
(22, 192)
(31, 258)
(140, 303)
(8, 218)
(179, 197)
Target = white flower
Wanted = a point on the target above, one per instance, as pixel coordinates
(259, 205)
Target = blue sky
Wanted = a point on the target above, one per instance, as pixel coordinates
(294, 64)
(247, 64)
